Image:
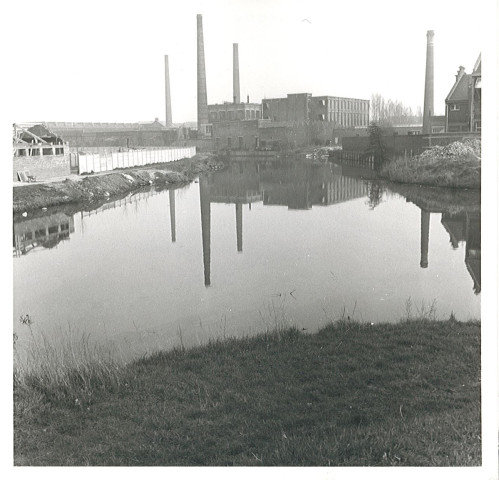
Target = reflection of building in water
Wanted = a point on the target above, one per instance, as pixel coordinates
(44, 232)
(239, 183)
(49, 230)
(465, 227)
(295, 185)
(129, 199)
(462, 228)
(302, 186)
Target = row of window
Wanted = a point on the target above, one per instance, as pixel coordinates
(346, 119)
(239, 115)
(349, 105)
(331, 103)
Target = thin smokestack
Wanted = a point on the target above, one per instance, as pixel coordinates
(202, 94)
(428, 108)
(235, 76)
(168, 102)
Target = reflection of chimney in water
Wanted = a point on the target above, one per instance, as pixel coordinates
(205, 227)
(172, 215)
(239, 226)
(425, 237)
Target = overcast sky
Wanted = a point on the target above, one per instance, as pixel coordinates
(103, 61)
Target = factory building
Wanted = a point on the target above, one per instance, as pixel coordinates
(303, 107)
(228, 112)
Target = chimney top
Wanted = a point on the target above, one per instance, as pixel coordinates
(460, 73)
(429, 36)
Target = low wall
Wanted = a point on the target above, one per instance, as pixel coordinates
(406, 144)
(133, 158)
(42, 167)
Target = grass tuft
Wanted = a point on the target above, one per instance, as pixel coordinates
(353, 393)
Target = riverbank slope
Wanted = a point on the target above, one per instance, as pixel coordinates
(92, 188)
(351, 394)
(457, 165)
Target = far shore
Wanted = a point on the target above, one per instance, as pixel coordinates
(90, 189)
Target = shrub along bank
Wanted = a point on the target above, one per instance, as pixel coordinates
(351, 394)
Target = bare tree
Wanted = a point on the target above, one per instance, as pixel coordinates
(388, 112)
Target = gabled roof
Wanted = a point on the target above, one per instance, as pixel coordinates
(460, 90)
(477, 69)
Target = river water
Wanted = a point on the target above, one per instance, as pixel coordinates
(257, 245)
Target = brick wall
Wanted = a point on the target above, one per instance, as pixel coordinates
(400, 144)
(43, 168)
(78, 137)
(394, 144)
(246, 130)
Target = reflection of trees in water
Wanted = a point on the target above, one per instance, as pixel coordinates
(374, 194)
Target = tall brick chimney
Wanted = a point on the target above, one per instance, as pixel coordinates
(235, 74)
(202, 94)
(428, 108)
(168, 102)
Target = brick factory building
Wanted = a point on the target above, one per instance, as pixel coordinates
(303, 107)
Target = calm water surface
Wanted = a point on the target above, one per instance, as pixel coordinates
(240, 250)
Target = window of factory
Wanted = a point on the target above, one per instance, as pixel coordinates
(323, 103)
(252, 114)
(241, 114)
(217, 143)
(230, 115)
(258, 114)
(455, 107)
(322, 116)
(240, 143)
(229, 142)
(247, 114)
(222, 115)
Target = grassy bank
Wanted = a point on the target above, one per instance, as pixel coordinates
(457, 165)
(93, 188)
(351, 394)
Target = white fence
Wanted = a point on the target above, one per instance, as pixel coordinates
(103, 162)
